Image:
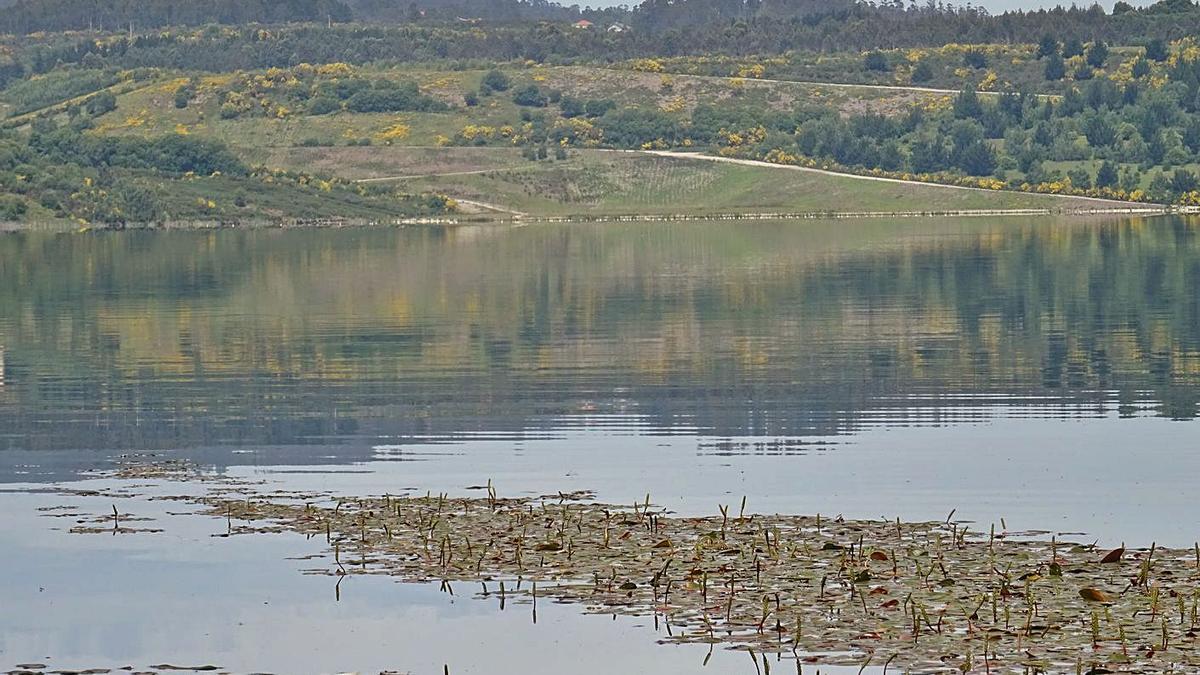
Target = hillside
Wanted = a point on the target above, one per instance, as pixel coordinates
(598, 183)
(1058, 116)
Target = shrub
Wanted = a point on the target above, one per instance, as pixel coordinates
(1141, 68)
(12, 207)
(975, 58)
(1080, 178)
(182, 96)
(387, 96)
(101, 103)
(323, 105)
(494, 80)
(571, 107)
(922, 72)
(598, 107)
(1156, 50)
(876, 61)
(530, 96)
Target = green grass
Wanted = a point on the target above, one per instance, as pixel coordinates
(385, 161)
(603, 183)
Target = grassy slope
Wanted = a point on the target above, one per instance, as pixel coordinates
(382, 160)
(601, 183)
(215, 197)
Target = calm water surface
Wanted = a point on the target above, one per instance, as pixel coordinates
(1046, 372)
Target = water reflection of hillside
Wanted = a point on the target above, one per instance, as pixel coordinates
(139, 340)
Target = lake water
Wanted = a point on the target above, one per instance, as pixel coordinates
(1042, 371)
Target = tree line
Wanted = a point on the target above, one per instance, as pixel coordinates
(516, 28)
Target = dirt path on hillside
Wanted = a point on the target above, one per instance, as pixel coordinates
(846, 85)
(1133, 207)
(485, 206)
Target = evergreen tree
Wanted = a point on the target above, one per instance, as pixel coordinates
(1097, 54)
(1183, 181)
(1056, 69)
(1156, 50)
(967, 104)
(1048, 46)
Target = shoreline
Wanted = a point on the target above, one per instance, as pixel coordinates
(508, 217)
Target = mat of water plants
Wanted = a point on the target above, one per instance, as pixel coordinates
(906, 596)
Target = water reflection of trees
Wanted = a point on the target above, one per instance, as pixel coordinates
(146, 340)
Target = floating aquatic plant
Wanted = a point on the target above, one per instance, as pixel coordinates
(918, 597)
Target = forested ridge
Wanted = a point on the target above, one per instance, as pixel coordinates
(663, 27)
